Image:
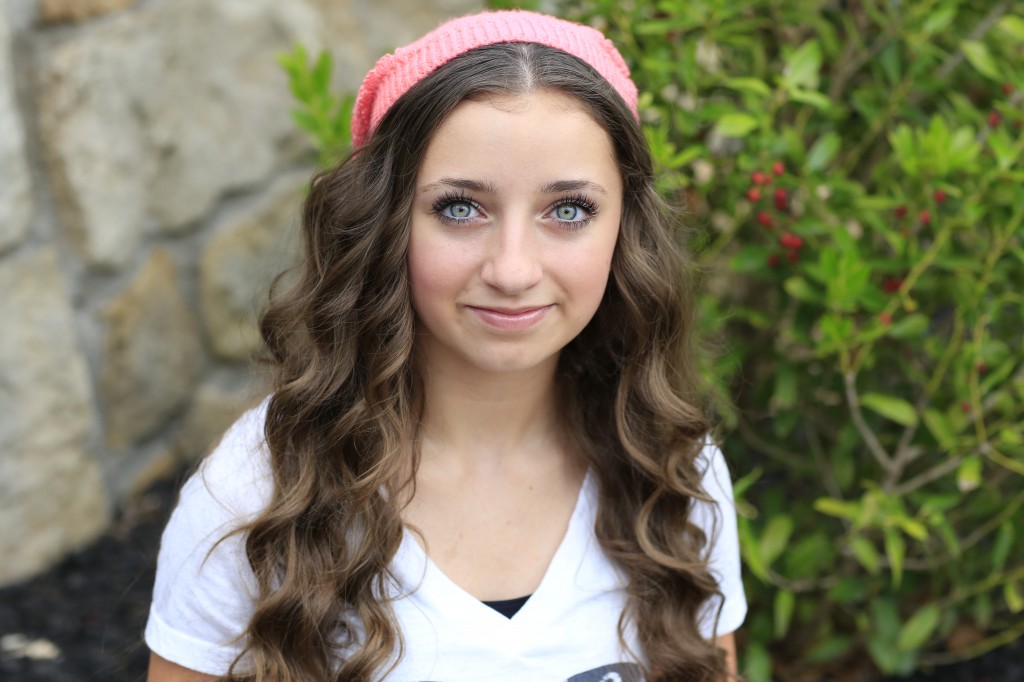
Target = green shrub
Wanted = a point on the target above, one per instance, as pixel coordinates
(853, 174)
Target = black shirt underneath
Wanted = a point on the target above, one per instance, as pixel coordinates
(508, 607)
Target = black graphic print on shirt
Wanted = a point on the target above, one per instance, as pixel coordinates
(616, 672)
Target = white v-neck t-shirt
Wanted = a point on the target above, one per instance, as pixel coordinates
(565, 632)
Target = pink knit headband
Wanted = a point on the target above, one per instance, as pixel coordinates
(394, 74)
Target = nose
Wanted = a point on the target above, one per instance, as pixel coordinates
(513, 262)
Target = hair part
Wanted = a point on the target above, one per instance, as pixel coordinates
(342, 422)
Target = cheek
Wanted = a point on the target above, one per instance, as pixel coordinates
(589, 277)
(433, 277)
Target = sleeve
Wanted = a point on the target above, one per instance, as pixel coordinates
(204, 592)
(719, 524)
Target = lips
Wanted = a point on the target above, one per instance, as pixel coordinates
(510, 318)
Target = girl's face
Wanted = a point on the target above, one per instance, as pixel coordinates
(514, 222)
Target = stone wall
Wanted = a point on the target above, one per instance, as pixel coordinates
(149, 184)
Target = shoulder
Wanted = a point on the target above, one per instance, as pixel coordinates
(235, 479)
(715, 477)
(725, 612)
(204, 590)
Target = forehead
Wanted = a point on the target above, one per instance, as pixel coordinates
(520, 136)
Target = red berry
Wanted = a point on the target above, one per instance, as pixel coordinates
(793, 256)
(758, 178)
(885, 319)
(754, 194)
(966, 407)
(791, 241)
(1007, 89)
(940, 196)
(765, 219)
(773, 260)
(994, 119)
(925, 217)
(778, 168)
(900, 211)
(781, 199)
(892, 285)
(982, 367)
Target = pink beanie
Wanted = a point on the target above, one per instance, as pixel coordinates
(394, 74)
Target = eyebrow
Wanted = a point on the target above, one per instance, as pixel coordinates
(460, 183)
(488, 188)
(572, 186)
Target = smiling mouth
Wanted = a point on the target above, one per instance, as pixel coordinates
(510, 318)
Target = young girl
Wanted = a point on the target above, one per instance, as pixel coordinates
(483, 457)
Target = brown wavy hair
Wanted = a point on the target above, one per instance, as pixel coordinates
(341, 425)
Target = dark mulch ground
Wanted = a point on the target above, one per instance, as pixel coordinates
(83, 620)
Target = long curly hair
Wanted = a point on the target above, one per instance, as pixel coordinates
(341, 425)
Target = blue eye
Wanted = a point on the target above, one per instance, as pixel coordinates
(573, 212)
(569, 212)
(459, 210)
(454, 209)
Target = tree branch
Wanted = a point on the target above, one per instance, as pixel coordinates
(862, 426)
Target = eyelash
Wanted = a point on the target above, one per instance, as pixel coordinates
(578, 200)
(446, 200)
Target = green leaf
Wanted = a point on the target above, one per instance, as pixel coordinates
(1012, 595)
(749, 549)
(913, 528)
(939, 428)
(752, 85)
(785, 394)
(849, 590)
(982, 610)
(1002, 146)
(1002, 546)
(811, 97)
(783, 612)
(916, 631)
(890, 61)
(775, 538)
(1010, 437)
(751, 257)
(895, 550)
(829, 649)
(1012, 26)
(823, 151)
(322, 73)
(803, 65)
(757, 663)
(939, 19)
(968, 476)
(981, 59)
(838, 508)
(894, 409)
(740, 487)
(798, 288)
(867, 555)
(910, 327)
(735, 124)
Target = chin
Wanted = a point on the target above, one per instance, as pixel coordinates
(510, 363)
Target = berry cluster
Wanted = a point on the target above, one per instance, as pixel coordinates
(790, 243)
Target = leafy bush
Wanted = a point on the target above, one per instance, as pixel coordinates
(853, 174)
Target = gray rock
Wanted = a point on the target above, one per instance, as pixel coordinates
(213, 410)
(238, 264)
(15, 187)
(151, 353)
(153, 115)
(52, 497)
(79, 10)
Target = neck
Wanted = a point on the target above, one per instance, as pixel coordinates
(477, 420)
